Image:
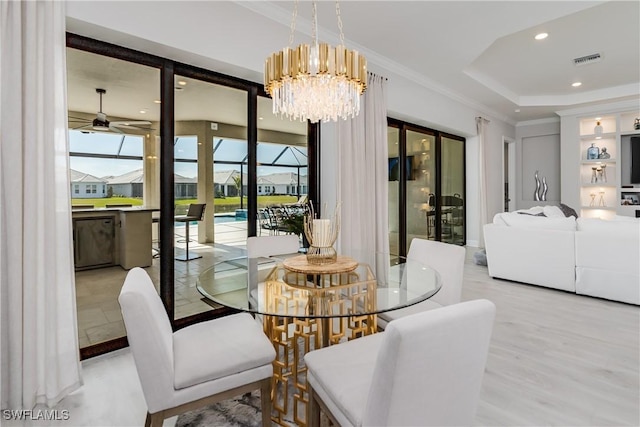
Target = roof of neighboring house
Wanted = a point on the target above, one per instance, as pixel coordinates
(283, 178)
(77, 177)
(226, 177)
(137, 176)
(127, 178)
(179, 179)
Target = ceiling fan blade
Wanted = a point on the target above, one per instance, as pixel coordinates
(123, 123)
(114, 129)
(82, 127)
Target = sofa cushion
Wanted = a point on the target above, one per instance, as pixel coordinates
(626, 219)
(553, 212)
(603, 226)
(529, 221)
(536, 210)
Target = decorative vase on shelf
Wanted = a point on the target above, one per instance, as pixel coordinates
(593, 152)
(594, 176)
(543, 196)
(598, 129)
(536, 193)
(603, 154)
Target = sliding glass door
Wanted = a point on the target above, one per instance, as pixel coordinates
(179, 137)
(420, 179)
(452, 206)
(426, 186)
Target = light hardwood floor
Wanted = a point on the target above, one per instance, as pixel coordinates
(556, 359)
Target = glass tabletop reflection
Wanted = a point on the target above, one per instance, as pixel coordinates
(378, 283)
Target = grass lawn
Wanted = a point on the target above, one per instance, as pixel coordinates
(229, 204)
(102, 202)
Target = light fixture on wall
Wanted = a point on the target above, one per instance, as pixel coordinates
(316, 82)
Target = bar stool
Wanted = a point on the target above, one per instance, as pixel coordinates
(195, 213)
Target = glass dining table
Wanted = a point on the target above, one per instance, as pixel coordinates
(305, 306)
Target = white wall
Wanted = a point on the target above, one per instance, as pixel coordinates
(228, 38)
(537, 148)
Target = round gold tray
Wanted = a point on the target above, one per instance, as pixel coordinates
(299, 264)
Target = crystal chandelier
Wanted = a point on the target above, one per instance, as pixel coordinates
(316, 82)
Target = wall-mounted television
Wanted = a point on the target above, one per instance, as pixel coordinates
(394, 168)
(635, 159)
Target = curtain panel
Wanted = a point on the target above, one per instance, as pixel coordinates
(363, 179)
(39, 356)
(481, 127)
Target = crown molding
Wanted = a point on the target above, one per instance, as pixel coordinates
(538, 122)
(614, 107)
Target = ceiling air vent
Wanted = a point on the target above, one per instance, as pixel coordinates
(589, 59)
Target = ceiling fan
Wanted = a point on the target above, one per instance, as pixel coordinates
(101, 123)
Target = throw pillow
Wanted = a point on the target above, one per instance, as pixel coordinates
(553, 212)
(527, 213)
(567, 211)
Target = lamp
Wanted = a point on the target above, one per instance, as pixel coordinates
(316, 82)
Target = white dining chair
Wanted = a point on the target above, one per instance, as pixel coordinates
(271, 246)
(448, 261)
(197, 365)
(425, 369)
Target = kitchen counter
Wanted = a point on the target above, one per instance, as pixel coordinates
(112, 236)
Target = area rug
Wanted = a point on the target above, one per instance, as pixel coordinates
(241, 411)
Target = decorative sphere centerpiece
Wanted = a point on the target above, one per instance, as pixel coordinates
(322, 235)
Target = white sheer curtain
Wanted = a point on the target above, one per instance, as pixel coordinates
(481, 125)
(38, 331)
(363, 177)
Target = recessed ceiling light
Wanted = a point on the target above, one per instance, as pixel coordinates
(517, 110)
(143, 111)
(182, 83)
(576, 84)
(260, 118)
(157, 101)
(598, 118)
(541, 36)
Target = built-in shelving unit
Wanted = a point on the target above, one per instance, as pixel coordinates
(598, 175)
(604, 184)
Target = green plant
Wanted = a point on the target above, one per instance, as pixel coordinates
(294, 223)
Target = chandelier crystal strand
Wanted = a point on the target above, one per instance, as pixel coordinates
(316, 82)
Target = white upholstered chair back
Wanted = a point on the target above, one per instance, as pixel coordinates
(430, 366)
(446, 259)
(150, 337)
(266, 246)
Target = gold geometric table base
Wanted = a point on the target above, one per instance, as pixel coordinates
(293, 337)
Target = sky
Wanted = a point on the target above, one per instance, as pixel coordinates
(186, 147)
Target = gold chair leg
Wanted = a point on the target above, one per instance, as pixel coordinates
(314, 410)
(156, 420)
(265, 401)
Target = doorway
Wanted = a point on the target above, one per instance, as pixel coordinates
(509, 174)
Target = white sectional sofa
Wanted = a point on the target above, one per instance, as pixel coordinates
(587, 256)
